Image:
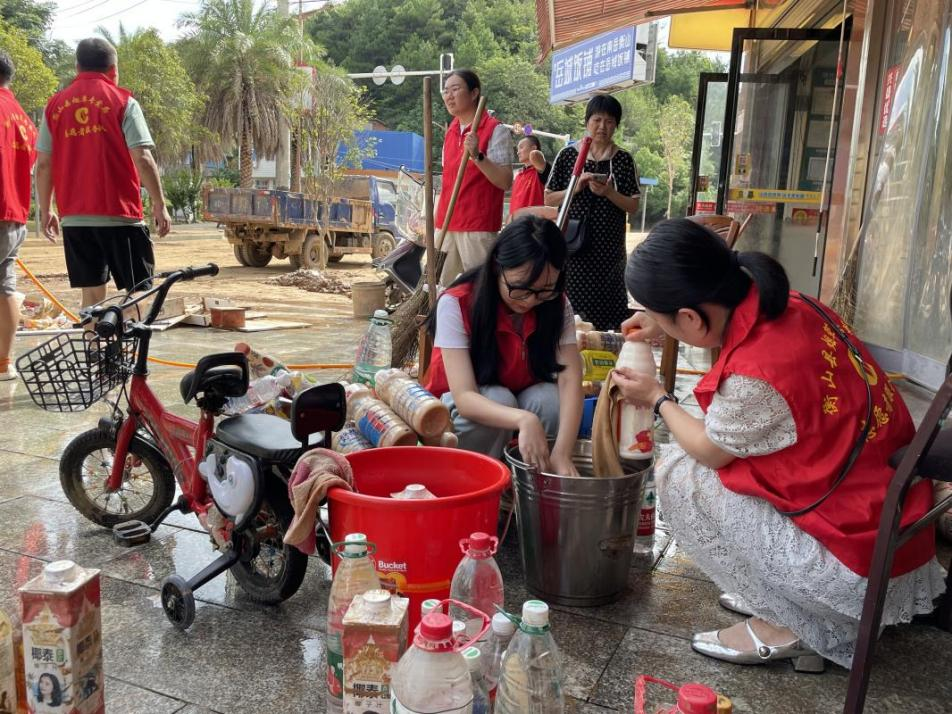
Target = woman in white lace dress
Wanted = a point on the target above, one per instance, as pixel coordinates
(777, 492)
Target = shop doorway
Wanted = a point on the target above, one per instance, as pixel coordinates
(779, 103)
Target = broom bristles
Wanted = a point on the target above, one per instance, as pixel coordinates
(405, 325)
(843, 300)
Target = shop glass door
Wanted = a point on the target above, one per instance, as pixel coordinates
(708, 142)
(780, 105)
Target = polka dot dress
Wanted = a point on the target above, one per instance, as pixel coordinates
(595, 276)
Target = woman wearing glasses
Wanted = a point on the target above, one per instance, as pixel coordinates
(477, 217)
(505, 359)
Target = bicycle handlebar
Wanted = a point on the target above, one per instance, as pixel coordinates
(109, 318)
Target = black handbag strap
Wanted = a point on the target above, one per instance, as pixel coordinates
(864, 432)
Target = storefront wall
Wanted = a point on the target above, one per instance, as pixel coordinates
(829, 14)
(905, 267)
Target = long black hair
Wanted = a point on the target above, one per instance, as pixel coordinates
(536, 241)
(682, 264)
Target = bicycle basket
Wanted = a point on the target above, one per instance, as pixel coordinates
(71, 372)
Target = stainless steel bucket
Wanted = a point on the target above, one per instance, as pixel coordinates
(577, 533)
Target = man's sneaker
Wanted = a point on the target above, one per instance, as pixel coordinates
(9, 374)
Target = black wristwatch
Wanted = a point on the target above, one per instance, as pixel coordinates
(480, 156)
(661, 400)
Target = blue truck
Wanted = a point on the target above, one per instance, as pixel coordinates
(262, 224)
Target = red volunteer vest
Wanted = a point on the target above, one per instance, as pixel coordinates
(17, 154)
(527, 190)
(479, 207)
(801, 357)
(93, 172)
(514, 371)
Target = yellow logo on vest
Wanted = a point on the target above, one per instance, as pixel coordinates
(82, 115)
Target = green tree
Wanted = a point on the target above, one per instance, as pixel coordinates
(676, 128)
(240, 58)
(332, 108)
(33, 82)
(154, 73)
(496, 38)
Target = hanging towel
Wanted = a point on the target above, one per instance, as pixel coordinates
(315, 473)
(605, 459)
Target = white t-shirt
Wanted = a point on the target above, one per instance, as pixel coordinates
(451, 334)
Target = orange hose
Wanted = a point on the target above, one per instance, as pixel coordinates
(893, 376)
(157, 360)
(46, 292)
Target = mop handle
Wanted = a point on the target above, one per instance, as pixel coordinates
(563, 217)
(459, 174)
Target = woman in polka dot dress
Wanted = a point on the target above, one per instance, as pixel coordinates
(595, 276)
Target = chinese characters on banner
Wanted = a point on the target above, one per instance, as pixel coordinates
(601, 61)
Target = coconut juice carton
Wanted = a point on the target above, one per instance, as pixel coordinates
(62, 640)
(375, 636)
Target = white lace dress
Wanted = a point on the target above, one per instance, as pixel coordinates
(745, 546)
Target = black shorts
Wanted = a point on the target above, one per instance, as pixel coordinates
(93, 253)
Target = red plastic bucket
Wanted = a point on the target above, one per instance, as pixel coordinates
(418, 540)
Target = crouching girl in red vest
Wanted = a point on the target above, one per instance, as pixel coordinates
(760, 492)
(505, 359)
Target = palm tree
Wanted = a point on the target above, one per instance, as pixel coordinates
(240, 57)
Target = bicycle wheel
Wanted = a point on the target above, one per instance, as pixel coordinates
(277, 570)
(147, 481)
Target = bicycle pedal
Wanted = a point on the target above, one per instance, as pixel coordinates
(131, 533)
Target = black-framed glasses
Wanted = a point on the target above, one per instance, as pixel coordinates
(520, 293)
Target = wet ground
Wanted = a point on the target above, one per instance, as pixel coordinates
(241, 657)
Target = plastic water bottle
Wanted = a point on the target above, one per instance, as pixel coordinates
(428, 606)
(481, 703)
(355, 575)
(477, 581)
(375, 350)
(647, 517)
(260, 392)
(432, 675)
(531, 677)
(502, 632)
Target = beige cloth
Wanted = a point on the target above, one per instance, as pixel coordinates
(315, 473)
(464, 250)
(605, 459)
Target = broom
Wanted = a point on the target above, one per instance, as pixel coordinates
(406, 317)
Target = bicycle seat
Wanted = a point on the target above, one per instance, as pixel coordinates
(221, 375)
(263, 435)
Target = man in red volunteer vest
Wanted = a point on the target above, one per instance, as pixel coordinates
(17, 153)
(528, 187)
(94, 156)
(477, 216)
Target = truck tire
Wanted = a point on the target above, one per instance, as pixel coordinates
(312, 256)
(383, 244)
(253, 255)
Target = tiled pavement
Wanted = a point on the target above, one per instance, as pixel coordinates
(241, 657)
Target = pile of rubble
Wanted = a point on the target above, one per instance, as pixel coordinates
(313, 281)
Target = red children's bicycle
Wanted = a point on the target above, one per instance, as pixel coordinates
(233, 475)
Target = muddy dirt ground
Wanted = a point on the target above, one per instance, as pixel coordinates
(203, 243)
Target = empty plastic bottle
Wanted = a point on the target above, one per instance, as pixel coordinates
(355, 575)
(531, 678)
(432, 675)
(477, 581)
(474, 661)
(375, 350)
(260, 392)
(428, 606)
(499, 639)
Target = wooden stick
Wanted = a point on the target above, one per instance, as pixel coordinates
(480, 108)
(428, 185)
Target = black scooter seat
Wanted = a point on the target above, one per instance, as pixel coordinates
(263, 435)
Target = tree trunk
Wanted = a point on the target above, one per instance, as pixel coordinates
(295, 161)
(245, 165)
(667, 213)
